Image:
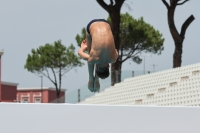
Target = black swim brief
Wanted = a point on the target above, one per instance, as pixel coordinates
(95, 20)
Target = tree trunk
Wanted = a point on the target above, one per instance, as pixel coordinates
(116, 72)
(178, 38)
(177, 56)
(119, 71)
(57, 93)
(58, 97)
(115, 17)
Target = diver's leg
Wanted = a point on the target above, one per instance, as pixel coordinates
(96, 83)
(91, 77)
(90, 65)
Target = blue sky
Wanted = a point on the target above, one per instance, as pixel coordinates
(29, 24)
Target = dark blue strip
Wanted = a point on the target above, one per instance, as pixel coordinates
(95, 20)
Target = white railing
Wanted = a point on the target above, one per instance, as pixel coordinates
(178, 86)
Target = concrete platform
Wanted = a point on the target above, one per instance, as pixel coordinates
(72, 118)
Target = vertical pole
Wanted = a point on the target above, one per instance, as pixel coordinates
(41, 90)
(144, 64)
(79, 94)
(41, 87)
(154, 66)
(0, 78)
(132, 73)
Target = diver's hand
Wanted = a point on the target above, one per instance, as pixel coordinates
(84, 45)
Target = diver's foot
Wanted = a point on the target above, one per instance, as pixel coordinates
(91, 85)
(96, 86)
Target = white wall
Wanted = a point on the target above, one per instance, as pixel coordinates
(71, 118)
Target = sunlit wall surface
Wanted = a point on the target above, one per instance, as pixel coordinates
(74, 118)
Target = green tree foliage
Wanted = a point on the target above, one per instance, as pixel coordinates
(136, 36)
(81, 37)
(53, 59)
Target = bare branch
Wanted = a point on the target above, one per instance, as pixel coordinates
(136, 53)
(54, 74)
(47, 71)
(103, 5)
(47, 75)
(137, 46)
(111, 2)
(128, 56)
(185, 25)
(132, 55)
(129, 7)
(165, 3)
(181, 3)
(119, 3)
(67, 71)
(55, 79)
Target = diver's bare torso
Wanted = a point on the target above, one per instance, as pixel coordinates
(102, 48)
